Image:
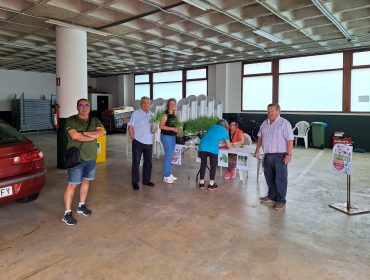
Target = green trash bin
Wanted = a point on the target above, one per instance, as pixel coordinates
(318, 134)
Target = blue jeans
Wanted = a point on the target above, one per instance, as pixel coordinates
(85, 170)
(276, 174)
(169, 143)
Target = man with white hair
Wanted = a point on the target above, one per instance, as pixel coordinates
(276, 138)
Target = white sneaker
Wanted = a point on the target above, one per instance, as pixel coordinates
(168, 180)
(173, 177)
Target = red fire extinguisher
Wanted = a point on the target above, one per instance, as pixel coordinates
(56, 116)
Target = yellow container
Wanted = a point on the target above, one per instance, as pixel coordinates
(101, 146)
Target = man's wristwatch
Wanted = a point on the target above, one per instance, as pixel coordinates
(288, 154)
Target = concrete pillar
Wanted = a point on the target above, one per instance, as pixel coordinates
(129, 89)
(71, 78)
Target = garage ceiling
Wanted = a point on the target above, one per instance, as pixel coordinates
(135, 36)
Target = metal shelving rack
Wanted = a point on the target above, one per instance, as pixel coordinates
(31, 114)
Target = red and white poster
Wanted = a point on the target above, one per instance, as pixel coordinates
(342, 158)
(178, 155)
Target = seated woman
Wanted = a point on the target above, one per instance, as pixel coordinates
(208, 148)
(236, 138)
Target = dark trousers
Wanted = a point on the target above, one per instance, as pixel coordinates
(213, 160)
(139, 149)
(276, 174)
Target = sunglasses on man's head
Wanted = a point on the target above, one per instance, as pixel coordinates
(83, 106)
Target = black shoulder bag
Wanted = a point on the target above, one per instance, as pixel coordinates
(72, 154)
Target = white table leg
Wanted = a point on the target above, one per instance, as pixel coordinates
(128, 142)
(259, 163)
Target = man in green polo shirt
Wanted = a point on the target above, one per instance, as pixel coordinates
(85, 129)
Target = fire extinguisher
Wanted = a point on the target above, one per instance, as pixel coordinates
(56, 116)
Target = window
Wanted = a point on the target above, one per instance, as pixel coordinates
(317, 83)
(321, 89)
(360, 90)
(196, 82)
(315, 91)
(196, 74)
(257, 92)
(361, 58)
(311, 63)
(9, 135)
(196, 88)
(170, 76)
(257, 68)
(171, 84)
(142, 86)
(257, 86)
(167, 85)
(167, 90)
(142, 90)
(141, 78)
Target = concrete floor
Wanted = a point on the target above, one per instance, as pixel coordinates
(179, 232)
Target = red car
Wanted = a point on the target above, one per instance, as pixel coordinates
(22, 166)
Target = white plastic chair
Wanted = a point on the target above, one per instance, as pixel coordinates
(218, 109)
(193, 106)
(158, 149)
(183, 110)
(210, 106)
(202, 105)
(247, 142)
(302, 128)
(152, 107)
(156, 105)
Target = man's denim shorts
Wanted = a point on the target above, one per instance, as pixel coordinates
(85, 170)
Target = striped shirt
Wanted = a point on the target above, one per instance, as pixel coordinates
(275, 136)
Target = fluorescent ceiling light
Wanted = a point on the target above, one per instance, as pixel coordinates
(199, 4)
(321, 7)
(176, 51)
(82, 28)
(267, 35)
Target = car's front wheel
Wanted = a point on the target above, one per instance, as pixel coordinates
(29, 198)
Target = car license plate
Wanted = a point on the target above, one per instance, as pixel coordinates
(6, 191)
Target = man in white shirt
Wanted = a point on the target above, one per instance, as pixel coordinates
(140, 132)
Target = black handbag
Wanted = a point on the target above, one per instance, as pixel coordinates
(72, 157)
(72, 154)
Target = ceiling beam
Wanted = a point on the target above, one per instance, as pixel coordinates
(330, 17)
(139, 16)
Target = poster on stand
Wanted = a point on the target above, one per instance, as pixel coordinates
(223, 158)
(242, 162)
(178, 155)
(342, 158)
